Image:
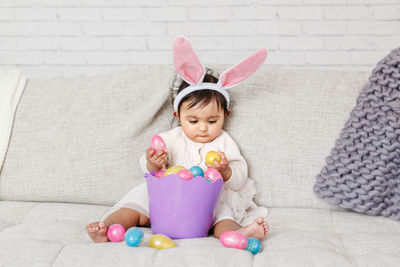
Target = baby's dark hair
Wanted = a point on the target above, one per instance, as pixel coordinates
(202, 97)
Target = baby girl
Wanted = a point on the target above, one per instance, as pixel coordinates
(201, 106)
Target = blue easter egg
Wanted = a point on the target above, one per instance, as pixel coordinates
(133, 236)
(253, 245)
(197, 171)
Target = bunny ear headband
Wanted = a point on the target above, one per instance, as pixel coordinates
(188, 66)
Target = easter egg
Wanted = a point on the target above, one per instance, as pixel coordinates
(116, 233)
(158, 143)
(211, 156)
(253, 245)
(159, 241)
(197, 171)
(160, 173)
(212, 174)
(233, 240)
(185, 174)
(133, 236)
(173, 170)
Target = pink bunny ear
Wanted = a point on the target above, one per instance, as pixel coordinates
(187, 65)
(242, 70)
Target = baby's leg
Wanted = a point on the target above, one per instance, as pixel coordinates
(126, 217)
(257, 229)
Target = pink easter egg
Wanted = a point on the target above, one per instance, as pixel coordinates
(212, 174)
(233, 240)
(116, 233)
(185, 174)
(160, 173)
(158, 143)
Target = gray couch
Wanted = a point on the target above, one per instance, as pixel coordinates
(75, 148)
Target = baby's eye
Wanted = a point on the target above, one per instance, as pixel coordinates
(212, 122)
(193, 122)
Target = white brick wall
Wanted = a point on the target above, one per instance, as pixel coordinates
(86, 37)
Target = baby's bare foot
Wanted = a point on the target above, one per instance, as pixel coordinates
(257, 229)
(97, 232)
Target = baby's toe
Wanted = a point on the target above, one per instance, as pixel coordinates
(260, 220)
(89, 228)
(93, 227)
(103, 227)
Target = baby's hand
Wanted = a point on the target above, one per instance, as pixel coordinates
(155, 161)
(222, 167)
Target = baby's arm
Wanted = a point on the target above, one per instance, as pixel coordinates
(236, 163)
(239, 174)
(234, 172)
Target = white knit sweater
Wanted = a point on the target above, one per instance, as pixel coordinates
(185, 152)
(237, 196)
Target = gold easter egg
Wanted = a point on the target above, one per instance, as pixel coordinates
(173, 170)
(159, 241)
(211, 156)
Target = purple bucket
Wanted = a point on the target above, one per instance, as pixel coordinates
(182, 208)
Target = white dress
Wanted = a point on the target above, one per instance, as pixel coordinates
(236, 200)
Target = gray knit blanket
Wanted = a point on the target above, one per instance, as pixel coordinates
(362, 172)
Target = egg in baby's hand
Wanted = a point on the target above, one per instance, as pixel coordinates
(157, 143)
(211, 156)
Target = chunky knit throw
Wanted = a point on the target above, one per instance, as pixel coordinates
(362, 173)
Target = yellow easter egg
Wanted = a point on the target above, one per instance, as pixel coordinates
(159, 241)
(211, 156)
(173, 170)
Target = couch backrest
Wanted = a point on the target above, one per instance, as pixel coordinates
(286, 122)
(80, 139)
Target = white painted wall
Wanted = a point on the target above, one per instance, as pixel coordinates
(49, 38)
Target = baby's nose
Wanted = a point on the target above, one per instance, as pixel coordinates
(203, 127)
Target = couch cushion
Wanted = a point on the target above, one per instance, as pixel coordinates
(316, 237)
(285, 122)
(324, 249)
(298, 237)
(79, 139)
(33, 234)
(188, 254)
(14, 213)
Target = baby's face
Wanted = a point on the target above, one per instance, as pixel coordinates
(202, 124)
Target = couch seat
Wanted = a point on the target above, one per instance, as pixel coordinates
(53, 234)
